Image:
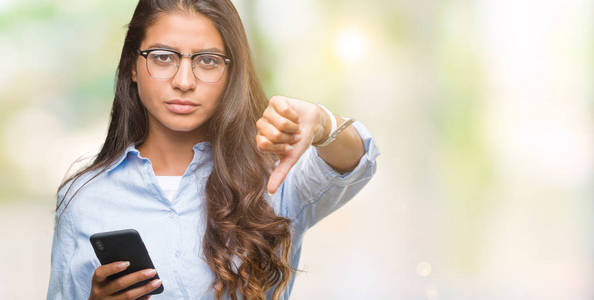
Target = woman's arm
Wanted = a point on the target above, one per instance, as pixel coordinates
(344, 153)
(313, 181)
(313, 189)
(289, 126)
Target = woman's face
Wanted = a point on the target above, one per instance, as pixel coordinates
(186, 33)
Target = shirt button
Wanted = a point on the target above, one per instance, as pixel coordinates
(177, 253)
(171, 214)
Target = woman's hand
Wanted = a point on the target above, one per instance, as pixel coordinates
(101, 288)
(287, 128)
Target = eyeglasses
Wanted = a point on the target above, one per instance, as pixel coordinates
(164, 63)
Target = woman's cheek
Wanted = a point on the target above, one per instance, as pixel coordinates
(150, 98)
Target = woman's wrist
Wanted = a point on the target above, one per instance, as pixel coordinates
(324, 127)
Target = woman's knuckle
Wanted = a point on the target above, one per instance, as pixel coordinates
(96, 274)
(285, 110)
(266, 144)
(119, 284)
(276, 135)
(284, 124)
(260, 143)
(96, 291)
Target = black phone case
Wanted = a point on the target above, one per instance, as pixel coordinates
(124, 245)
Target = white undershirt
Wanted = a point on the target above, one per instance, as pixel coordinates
(169, 185)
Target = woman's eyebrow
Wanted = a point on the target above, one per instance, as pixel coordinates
(159, 45)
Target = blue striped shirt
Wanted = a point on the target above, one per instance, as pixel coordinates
(127, 195)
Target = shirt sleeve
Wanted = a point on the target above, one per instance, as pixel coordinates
(66, 278)
(313, 189)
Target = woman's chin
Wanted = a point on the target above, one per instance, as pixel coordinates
(183, 127)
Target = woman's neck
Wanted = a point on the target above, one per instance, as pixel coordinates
(170, 152)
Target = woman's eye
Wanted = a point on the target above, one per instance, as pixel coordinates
(208, 61)
(162, 58)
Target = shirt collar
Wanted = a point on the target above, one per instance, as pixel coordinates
(198, 147)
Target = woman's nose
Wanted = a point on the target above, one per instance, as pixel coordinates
(184, 79)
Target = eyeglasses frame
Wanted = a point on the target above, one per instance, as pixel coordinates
(145, 53)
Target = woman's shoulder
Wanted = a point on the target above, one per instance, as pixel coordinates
(79, 185)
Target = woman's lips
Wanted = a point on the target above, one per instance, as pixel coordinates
(181, 107)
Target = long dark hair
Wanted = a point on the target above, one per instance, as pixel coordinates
(239, 219)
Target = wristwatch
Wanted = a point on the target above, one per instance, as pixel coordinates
(334, 132)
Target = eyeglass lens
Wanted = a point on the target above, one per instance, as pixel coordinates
(163, 64)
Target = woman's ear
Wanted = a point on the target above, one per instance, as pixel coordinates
(134, 73)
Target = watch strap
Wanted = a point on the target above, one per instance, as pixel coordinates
(335, 131)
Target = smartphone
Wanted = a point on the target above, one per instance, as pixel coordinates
(124, 245)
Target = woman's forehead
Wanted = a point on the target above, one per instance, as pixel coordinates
(184, 32)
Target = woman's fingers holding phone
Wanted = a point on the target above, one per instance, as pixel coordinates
(104, 289)
(103, 271)
(135, 293)
(128, 280)
(100, 275)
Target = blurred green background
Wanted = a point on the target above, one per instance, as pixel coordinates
(483, 112)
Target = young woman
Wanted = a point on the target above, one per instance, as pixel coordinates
(220, 183)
